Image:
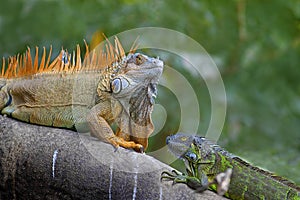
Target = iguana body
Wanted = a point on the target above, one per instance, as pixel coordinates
(205, 160)
(108, 87)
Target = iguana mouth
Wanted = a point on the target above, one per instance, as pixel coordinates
(157, 63)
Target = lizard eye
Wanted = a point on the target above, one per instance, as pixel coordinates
(191, 156)
(139, 59)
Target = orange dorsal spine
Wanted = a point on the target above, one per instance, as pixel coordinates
(25, 65)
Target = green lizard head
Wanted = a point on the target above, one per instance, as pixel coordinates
(193, 150)
(181, 144)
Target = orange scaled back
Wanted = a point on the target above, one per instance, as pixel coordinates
(26, 65)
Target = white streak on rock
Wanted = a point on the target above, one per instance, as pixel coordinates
(160, 193)
(53, 162)
(111, 167)
(135, 170)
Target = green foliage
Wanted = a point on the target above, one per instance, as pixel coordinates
(257, 43)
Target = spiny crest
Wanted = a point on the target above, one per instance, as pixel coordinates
(26, 65)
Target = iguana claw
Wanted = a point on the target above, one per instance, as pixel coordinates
(170, 176)
(117, 141)
(192, 182)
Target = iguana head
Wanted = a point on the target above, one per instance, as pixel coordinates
(185, 146)
(132, 89)
(137, 71)
(193, 148)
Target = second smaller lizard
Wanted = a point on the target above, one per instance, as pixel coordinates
(210, 166)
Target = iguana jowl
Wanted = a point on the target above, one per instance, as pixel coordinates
(205, 160)
(108, 87)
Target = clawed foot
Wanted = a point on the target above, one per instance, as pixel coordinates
(222, 180)
(173, 175)
(120, 142)
(192, 182)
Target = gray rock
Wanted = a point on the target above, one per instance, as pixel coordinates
(38, 162)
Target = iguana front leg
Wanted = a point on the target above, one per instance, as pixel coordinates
(193, 182)
(99, 120)
(222, 180)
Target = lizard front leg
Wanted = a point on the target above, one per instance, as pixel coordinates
(193, 182)
(201, 183)
(99, 120)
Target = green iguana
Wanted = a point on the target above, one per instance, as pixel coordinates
(205, 161)
(108, 87)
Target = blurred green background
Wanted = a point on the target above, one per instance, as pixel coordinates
(256, 45)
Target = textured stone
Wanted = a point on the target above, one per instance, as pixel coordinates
(38, 162)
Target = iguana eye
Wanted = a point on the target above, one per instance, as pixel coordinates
(139, 59)
(191, 156)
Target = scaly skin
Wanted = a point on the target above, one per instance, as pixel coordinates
(206, 160)
(109, 87)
